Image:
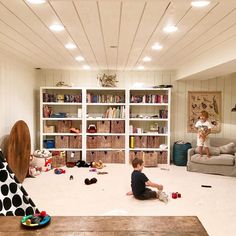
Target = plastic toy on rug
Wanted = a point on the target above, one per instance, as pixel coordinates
(48, 164)
(102, 172)
(176, 195)
(59, 171)
(81, 163)
(91, 181)
(98, 165)
(36, 220)
(34, 171)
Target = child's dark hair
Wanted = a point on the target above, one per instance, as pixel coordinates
(136, 162)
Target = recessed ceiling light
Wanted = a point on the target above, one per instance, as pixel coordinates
(70, 46)
(36, 1)
(140, 67)
(79, 58)
(200, 3)
(56, 27)
(147, 58)
(157, 46)
(86, 67)
(170, 29)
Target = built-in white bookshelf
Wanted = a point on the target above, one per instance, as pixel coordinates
(149, 123)
(122, 118)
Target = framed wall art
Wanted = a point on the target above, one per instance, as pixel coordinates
(207, 101)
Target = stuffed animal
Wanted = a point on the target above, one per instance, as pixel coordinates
(48, 164)
(34, 171)
(98, 165)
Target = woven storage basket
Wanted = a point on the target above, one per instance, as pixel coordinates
(135, 154)
(118, 157)
(73, 156)
(103, 141)
(118, 141)
(150, 159)
(140, 141)
(58, 161)
(61, 141)
(117, 126)
(75, 141)
(103, 126)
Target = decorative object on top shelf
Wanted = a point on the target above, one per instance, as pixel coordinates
(62, 84)
(163, 86)
(207, 101)
(107, 80)
(233, 109)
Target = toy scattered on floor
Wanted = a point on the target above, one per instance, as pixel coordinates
(48, 164)
(70, 164)
(98, 165)
(176, 195)
(34, 171)
(102, 172)
(91, 181)
(206, 186)
(59, 171)
(165, 169)
(71, 177)
(39, 161)
(36, 220)
(93, 170)
(81, 163)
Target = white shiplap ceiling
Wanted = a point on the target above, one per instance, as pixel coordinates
(133, 26)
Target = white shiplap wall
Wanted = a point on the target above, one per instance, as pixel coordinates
(226, 84)
(17, 96)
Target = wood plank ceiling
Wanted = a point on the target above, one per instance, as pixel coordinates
(114, 34)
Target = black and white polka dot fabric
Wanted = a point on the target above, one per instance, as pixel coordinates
(14, 200)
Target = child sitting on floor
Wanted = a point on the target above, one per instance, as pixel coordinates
(139, 183)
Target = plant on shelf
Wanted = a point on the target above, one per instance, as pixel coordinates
(107, 80)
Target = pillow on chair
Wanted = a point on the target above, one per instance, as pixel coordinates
(228, 148)
(214, 151)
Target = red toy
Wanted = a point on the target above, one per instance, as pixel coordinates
(176, 195)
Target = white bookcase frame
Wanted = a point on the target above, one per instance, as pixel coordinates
(85, 106)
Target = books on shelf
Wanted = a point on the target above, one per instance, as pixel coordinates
(115, 112)
(149, 98)
(104, 98)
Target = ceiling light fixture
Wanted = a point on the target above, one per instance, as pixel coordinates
(70, 46)
(147, 59)
(200, 3)
(157, 46)
(170, 29)
(56, 27)
(140, 67)
(79, 58)
(86, 67)
(36, 1)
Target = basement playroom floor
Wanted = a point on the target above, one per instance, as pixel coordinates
(215, 207)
